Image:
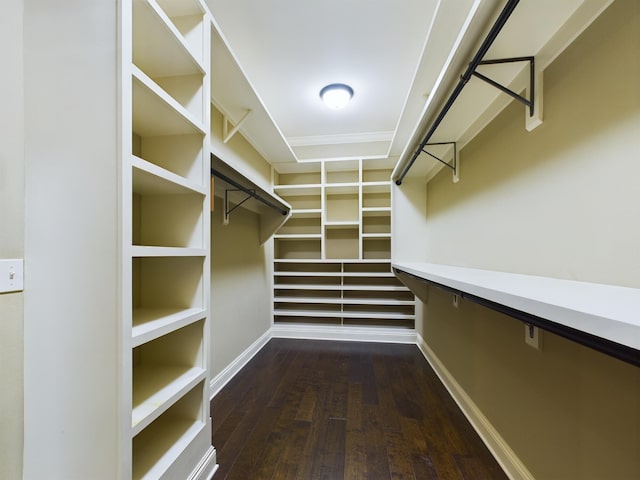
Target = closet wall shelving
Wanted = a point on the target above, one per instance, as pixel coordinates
(332, 258)
(165, 250)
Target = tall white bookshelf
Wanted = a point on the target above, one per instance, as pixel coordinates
(332, 258)
(165, 225)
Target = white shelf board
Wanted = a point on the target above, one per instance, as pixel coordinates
(306, 212)
(298, 190)
(342, 224)
(375, 211)
(158, 47)
(156, 113)
(376, 235)
(298, 236)
(344, 288)
(355, 261)
(344, 301)
(339, 314)
(144, 251)
(333, 274)
(172, 436)
(149, 178)
(156, 388)
(606, 311)
(151, 323)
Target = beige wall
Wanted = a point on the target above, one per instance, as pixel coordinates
(11, 238)
(240, 286)
(562, 201)
(240, 267)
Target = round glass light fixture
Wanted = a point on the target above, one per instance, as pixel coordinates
(336, 95)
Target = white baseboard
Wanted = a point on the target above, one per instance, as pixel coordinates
(234, 367)
(508, 460)
(344, 333)
(207, 466)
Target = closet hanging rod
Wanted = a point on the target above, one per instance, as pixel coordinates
(248, 191)
(486, 44)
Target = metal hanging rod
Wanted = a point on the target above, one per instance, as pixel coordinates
(486, 44)
(250, 192)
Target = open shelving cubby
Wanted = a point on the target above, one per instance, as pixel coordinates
(332, 258)
(166, 223)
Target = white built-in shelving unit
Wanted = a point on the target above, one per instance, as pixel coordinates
(332, 258)
(165, 270)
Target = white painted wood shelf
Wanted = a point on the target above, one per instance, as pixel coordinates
(605, 317)
(166, 205)
(345, 293)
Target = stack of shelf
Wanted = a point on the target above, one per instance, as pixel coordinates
(357, 292)
(332, 257)
(165, 225)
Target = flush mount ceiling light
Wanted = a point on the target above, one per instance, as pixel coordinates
(336, 95)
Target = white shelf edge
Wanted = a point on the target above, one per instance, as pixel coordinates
(345, 301)
(334, 274)
(183, 379)
(163, 174)
(344, 288)
(376, 235)
(317, 260)
(163, 96)
(151, 323)
(342, 314)
(145, 251)
(298, 236)
(606, 311)
(342, 224)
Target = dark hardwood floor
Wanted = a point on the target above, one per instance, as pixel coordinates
(307, 409)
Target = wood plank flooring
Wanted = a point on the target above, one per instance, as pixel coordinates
(307, 409)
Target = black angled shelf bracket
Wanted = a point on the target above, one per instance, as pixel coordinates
(454, 165)
(508, 91)
(227, 211)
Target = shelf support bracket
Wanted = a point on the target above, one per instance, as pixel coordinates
(228, 134)
(227, 210)
(454, 166)
(534, 102)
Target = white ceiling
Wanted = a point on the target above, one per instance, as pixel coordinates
(386, 50)
(400, 56)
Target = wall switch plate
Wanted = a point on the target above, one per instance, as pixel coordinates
(11, 275)
(532, 336)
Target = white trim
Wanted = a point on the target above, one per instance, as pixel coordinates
(344, 333)
(338, 139)
(206, 467)
(508, 460)
(234, 367)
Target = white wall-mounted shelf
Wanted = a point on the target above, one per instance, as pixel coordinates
(538, 29)
(607, 314)
(273, 210)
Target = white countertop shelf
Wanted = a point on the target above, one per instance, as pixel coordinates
(607, 312)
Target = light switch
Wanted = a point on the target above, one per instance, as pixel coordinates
(11, 275)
